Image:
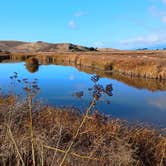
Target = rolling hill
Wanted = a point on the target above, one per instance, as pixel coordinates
(19, 46)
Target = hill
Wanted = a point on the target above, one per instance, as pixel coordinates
(29, 47)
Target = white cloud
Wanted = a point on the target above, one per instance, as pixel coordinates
(72, 24)
(149, 40)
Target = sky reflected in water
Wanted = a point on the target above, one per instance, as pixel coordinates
(58, 83)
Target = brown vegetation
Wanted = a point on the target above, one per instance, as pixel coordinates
(101, 141)
(133, 67)
(33, 134)
(136, 82)
(32, 64)
(145, 64)
(135, 64)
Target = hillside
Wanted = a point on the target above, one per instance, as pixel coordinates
(10, 45)
(29, 47)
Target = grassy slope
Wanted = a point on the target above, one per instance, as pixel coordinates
(29, 47)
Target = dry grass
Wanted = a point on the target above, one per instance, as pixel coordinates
(100, 141)
(146, 64)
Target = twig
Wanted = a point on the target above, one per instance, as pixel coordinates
(77, 132)
(31, 128)
(72, 153)
(60, 133)
(15, 144)
(42, 156)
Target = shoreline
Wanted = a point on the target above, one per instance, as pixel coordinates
(138, 64)
(151, 84)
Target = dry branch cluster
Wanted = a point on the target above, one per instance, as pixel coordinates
(100, 141)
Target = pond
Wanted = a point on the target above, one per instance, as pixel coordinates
(58, 84)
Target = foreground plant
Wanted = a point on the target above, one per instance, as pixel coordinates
(31, 89)
(64, 136)
(97, 90)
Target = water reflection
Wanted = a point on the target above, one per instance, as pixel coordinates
(32, 68)
(133, 100)
(140, 83)
(32, 65)
(159, 102)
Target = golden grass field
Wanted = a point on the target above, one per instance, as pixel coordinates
(145, 64)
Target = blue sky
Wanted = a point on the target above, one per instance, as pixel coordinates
(121, 24)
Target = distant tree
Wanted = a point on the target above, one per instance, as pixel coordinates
(92, 49)
(39, 42)
(142, 49)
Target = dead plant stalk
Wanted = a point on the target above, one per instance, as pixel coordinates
(77, 131)
(31, 128)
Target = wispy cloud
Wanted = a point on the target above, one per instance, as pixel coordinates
(155, 34)
(99, 44)
(164, 19)
(79, 14)
(164, 1)
(161, 14)
(145, 41)
(72, 24)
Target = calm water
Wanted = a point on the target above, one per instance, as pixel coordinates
(58, 83)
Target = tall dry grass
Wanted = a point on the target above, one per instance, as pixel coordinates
(33, 134)
(101, 141)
